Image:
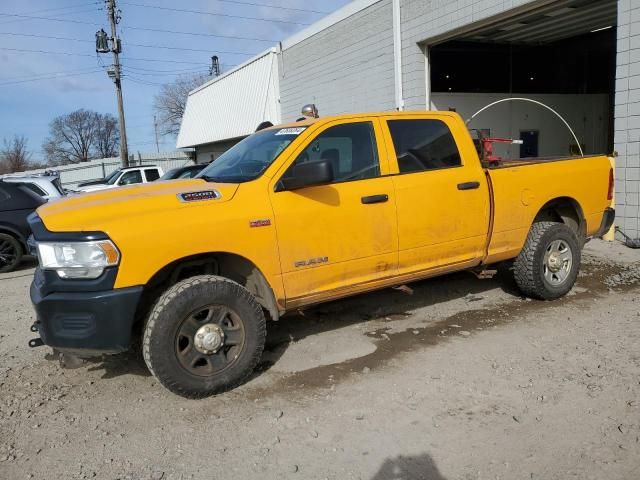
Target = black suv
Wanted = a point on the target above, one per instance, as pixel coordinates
(16, 204)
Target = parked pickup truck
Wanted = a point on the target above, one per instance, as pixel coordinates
(295, 215)
(121, 177)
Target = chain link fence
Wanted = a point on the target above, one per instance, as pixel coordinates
(71, 175)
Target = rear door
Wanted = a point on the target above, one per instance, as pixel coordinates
(442, 195)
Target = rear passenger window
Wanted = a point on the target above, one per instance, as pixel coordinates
(351, 149)
(152, 174)
(34, 188)
(423, 145)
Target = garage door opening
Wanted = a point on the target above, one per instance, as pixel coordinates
(563, 55)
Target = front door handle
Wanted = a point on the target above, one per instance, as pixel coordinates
(375, 199)
(468, 185)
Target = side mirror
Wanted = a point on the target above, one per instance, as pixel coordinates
(307, 175)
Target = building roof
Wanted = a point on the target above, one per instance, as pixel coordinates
(232, 105)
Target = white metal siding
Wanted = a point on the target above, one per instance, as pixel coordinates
(346, 67)
(234, 104)
(627, 123)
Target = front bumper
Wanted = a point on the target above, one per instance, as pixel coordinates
(86, 323)
(607, 221)
(81, 317)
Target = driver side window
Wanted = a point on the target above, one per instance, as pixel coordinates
(130, 178)
(351, 149)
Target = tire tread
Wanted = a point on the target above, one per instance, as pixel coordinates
(164, 301)
(524, 267)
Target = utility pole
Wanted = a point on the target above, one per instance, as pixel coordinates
(155, 127)
(114, 18)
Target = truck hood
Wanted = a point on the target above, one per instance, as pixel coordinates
(95, 211)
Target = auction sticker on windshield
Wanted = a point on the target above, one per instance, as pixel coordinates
(291, 131)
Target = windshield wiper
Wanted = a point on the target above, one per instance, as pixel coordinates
(226, 179)
(209, 178)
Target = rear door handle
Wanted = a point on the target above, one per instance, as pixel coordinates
(468, 185)
(375, 199)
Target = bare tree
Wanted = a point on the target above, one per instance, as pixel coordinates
(14, 155)
(170, 103)
(80, 136)
(107, 136)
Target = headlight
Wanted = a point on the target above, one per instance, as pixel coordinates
(78, 259)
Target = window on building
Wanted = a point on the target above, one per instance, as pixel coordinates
(351, 149)
(422, 145)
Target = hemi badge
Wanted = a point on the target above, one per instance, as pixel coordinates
(196, 196)
(260, 223)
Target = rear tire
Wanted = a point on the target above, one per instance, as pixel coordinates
(10, 253)
(204, 335)
(548, 265)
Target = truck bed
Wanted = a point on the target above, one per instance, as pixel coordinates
(520, 162)
(519, 193)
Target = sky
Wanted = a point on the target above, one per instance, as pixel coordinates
(41, 78)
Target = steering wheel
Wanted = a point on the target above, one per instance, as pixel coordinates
(246, 167)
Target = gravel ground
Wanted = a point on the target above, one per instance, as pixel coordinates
(463, 379)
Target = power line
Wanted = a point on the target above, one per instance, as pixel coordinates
(20, 77)
(201, 12)
(158, 30)
(83, 9)
(33, 35)
(83, 4)
(277, 7)
(184, 70)
(52, 77)
(45, 51)
(190, 49)
(53, 19)
(198, 34)
(89, 55)
(162, 61)
(192, 72)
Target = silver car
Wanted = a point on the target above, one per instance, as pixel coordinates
(46, 186)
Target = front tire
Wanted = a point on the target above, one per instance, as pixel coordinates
(204, 335)
(10, 253)
(548, 265)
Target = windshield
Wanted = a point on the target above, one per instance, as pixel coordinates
(170, 175)
(251, 157)
(111, 179)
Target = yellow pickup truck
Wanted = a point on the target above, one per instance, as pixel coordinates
(294, 215)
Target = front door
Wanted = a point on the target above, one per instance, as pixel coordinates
(442, 195)
(333, 238)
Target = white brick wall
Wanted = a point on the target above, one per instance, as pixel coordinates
(349, 67)
(627, 122)
(345, 68)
